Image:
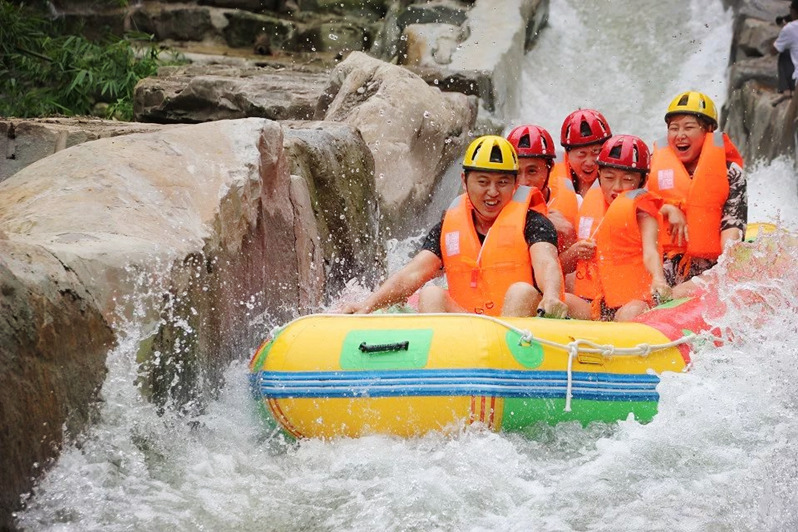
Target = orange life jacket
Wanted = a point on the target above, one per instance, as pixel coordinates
(561, 170)
(563, 199)
(701, 197)
(480, 274)
(619, 247)
(537, 202)
(591, 214)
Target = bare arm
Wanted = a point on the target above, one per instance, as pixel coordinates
(649, 230)
(399, 286)
(730, 235)
(677, 223)
(580, 250)
(548, 276)
(565, 231)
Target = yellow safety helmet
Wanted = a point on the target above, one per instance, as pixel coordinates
(693, 103)
(491, 153)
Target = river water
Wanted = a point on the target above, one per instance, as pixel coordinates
(718, 456)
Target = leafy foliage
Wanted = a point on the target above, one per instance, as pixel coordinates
(45, 72)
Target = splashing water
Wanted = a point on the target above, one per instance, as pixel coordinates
(718, 456)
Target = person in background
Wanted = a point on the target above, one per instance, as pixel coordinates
(786, 45)
(582, 135)
(628, 257)
(499, 255)
(698, 171)
(536, 153)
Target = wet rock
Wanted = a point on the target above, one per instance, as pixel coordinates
(495, 48)
(336, 36)
(243, 28)
(254, 6)
(53, 342)
(413, 130)
(760, 130)
(367, 9)
(387, 38)
(337, 167)
(181, 22)
(760, 69)
(216, 92)
(755, 37)
(202, 230)
(262, 45)
(431, 45)
(24, 141)
(435, 12)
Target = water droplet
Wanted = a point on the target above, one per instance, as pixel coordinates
(427, 114)
(333, 37)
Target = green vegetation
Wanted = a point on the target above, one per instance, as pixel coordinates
(44, 71)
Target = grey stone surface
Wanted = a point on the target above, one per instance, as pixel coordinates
(53, 342)
(413, 130)
(25, 141)
(216, 92)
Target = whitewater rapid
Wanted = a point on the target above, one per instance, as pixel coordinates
(718, 456)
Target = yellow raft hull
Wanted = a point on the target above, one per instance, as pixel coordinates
(327, 376)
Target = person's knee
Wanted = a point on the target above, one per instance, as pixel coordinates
(631, 310)
(521, 300)
(432, 299)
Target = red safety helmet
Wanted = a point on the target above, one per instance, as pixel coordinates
(626, 152)
(584, 127)
(532, 141)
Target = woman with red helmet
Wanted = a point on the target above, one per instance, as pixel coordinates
(623, 265)
(582, 135)
(536, 153)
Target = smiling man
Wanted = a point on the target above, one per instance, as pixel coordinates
(582, 135)
(698, 171)
(499, 256)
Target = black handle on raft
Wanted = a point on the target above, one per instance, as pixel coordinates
(376, 348)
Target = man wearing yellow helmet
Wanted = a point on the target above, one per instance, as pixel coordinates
(499, 256)
(698, 171)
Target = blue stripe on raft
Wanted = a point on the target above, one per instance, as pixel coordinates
(500, 383)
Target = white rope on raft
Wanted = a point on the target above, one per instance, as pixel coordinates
(575, 347)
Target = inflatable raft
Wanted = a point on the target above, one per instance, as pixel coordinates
(406, 374)
(335, 375)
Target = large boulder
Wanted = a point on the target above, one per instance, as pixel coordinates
(180, 22)
(432, 45)
(413, 130)
(204, 214)
(335, 164)
(24, 141)
(760, 130)
(201, 93)
(499, 33)
(53, 342)
(198, 233)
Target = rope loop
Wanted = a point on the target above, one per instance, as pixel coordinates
(645, 348)
(607, 350)
(526, 337)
